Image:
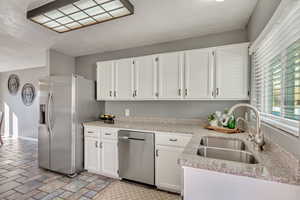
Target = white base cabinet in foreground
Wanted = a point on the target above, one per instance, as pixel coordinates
(101, 151)
(168, 172)
(209, 185)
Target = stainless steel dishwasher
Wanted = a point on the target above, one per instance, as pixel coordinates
(136, 156)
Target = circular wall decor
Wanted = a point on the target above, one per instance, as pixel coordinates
(28, 94)
(13, 84)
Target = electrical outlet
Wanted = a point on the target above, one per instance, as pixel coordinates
(127, 112)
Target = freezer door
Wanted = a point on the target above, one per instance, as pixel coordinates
(60, 123)
(44, 134)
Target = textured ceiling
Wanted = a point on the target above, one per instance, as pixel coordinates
(24, 43)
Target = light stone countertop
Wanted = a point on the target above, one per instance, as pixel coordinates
(275, 164)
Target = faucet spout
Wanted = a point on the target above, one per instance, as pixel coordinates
(259, 137)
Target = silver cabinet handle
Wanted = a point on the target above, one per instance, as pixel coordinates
(110, 93)
(156, 152)
(107, 133)
(101, 145)
(135, 93)
(115, 93)
(217, 91)
(186, 92)
(96, 144)
(179, 92)
(173, 140)
(90, 132)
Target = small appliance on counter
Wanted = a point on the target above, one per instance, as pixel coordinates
(109, 119)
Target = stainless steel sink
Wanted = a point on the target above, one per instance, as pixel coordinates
(221, 142)
(227, 154)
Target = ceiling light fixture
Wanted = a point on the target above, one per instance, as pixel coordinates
(67, 15)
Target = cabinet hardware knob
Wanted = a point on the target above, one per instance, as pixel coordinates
(115, 93)
(110, 93)
(173, 140)
(96, 144)
(107, 133)
(90, 132)
(217, 91)
(156, 152)
(186, 92)
(179, 92)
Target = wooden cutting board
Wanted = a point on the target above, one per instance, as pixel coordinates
(224, 130)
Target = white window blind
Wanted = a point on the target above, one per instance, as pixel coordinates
(275, 88)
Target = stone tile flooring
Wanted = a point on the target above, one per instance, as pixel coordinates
(20, 177)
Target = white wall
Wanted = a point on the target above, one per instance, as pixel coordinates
(22, 120)
(262, 13)
(60, 64)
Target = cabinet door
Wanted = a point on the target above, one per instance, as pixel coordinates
(105, 79)
(232, 72)
(92, 154)
(168, 171)
(170, 68)
(198, 74)
(110, 158)
(145, 77)
(124, 79)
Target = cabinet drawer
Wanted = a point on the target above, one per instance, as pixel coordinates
(110, 133)
(91, 132)
(172, 139)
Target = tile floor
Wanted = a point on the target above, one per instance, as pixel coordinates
(21, 179)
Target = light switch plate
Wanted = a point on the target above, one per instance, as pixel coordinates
(127, 112)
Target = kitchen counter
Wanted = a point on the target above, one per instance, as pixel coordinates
(275, 164)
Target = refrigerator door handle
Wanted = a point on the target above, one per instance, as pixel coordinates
(49, 112)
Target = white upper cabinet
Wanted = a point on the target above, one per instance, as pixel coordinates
(219, 73)
(124, 79)
(198, 74)
(145, 77)
(170, 70)
(231, 76)
(105, 80)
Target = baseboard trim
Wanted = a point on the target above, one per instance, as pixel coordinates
(28, 138)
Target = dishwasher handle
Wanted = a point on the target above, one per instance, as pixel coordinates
(131, 138)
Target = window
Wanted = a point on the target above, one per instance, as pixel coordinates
(275, 88)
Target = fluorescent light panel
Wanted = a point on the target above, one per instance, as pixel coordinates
(67, 15)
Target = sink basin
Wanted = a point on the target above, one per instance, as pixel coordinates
(221, 142)
(227, 154)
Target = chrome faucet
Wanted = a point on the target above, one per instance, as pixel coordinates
(258, 138)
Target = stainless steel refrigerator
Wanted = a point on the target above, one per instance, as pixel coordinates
(65, 103)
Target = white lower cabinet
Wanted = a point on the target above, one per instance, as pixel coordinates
(168, 147)
(92, 154)
(168, 171)
(101, 151)
(110, 157)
